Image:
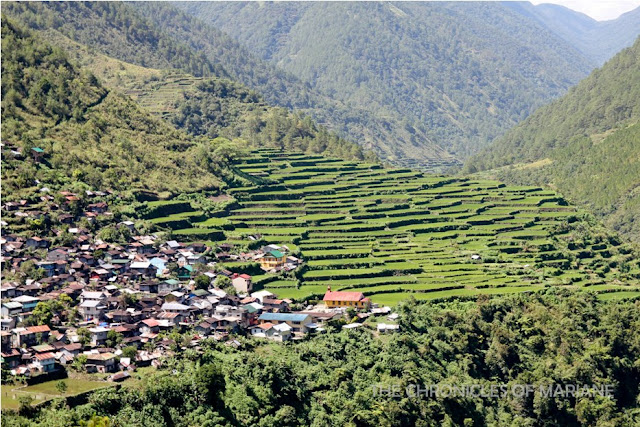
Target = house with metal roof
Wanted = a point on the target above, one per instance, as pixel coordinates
(297, 321)
(271, 260)
(334, 299)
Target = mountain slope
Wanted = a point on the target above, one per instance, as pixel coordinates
(587, 144)
(210, 106)
(598, 41)
(91, 137)
(391, 137)
(218, 54)
(467, 72)
(116, 31)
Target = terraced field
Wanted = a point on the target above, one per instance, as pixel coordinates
(392, 233)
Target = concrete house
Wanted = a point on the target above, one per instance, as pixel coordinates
(98, 335)
(58, 254)
(103, 363)
(242, 283)
(11, 309)
(346, 299)
(298, 322)
(92, 309)
(280, 332)
(44, 362)
(30, 336)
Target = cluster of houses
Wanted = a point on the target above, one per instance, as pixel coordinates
(135, 295)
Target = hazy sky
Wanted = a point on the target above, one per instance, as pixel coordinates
(600, 10)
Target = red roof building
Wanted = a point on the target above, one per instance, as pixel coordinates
(346, 299)
(151, 322)
(44, 356)
(37, 329)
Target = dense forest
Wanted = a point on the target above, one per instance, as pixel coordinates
(222, 108)
(115, 30)
(210, 106)
(202, 50)
(557, 337)
(585, 144)
(89, 136)
(450, 100)
(176, 41)
(466, 73)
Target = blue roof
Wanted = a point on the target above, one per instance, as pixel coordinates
(283, 317)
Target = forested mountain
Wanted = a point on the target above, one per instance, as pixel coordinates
(586, 144)
(211, 106)
(597, 40)
(393, 139)
(419, 84)
(467, 72)
(202, 50)
(90, 136)
(114, 30)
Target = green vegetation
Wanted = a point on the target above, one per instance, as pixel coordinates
(212, 107)
(553, 337)
(90, 136)
(585, 144)
(445, 78)
(393, 233)
(476, 88)
(115, 30)
(160, 36)
(47, 390)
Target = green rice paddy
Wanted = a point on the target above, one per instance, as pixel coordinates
(395, 233)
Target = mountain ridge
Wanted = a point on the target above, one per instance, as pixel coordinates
(597, 40)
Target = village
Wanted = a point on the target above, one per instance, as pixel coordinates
(109, 308)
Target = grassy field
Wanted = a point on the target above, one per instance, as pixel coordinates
(47, 390)
(392, 233)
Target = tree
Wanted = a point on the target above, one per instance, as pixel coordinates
(222, 281)
(42, 314)
(79, 362)
(202, 282)
(61, 386)
(84, 336)
(114, 338)
(25, 401)
(97, 421)
(129, 299)
(130, 351)
(31, 271)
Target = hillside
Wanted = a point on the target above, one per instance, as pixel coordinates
(392, 138)
(115, 30)
(395, 233)
(467, 72)
(585, 144)
(346, 377)
(177, 41)
(90, 136)
(210, 106)
(598, 41)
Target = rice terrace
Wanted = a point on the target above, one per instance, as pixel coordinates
(394, 233)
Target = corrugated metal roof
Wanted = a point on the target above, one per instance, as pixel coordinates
(283, 317)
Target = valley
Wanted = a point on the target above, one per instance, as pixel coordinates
(300, 213)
